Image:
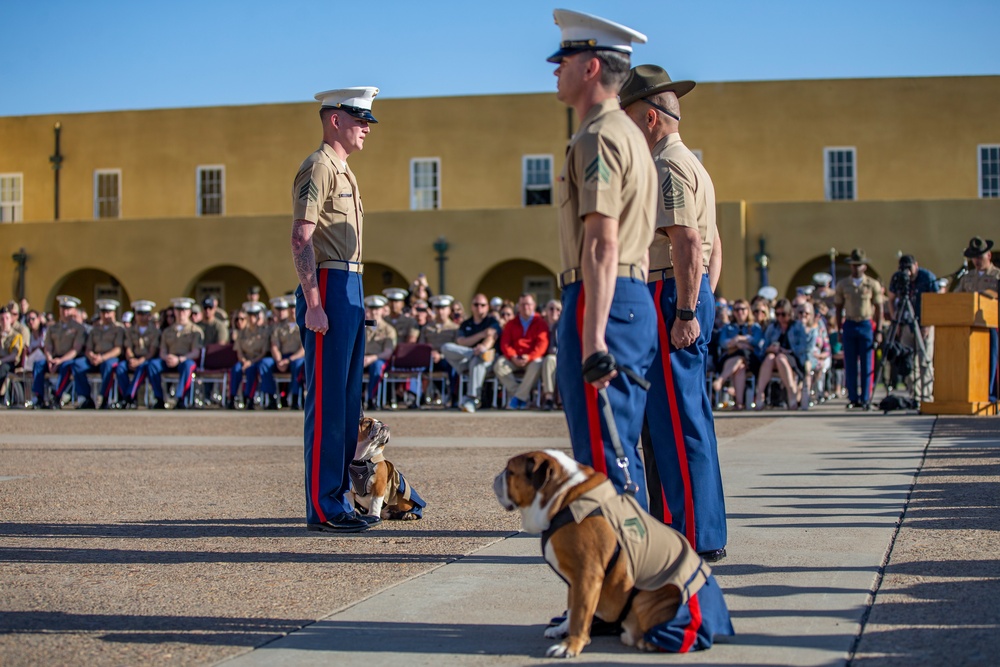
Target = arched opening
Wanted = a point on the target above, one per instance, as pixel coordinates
(378, 277)
(229, 284)
(88, 285)
(508, 280)
(821, 264)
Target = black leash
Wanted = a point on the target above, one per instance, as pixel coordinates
(595, 367)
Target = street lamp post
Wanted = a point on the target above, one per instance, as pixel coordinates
(833, 264)
(20, 259)
(441, 247)
(762, 263)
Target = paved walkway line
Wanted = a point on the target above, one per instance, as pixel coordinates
(811, 515)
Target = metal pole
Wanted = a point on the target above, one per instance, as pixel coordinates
(56, 160)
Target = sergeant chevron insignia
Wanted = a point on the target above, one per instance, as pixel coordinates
(636, 525)
(308, 192)
(597, 169)
(673, 195)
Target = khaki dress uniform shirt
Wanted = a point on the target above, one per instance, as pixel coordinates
(686, 198)
(142, 342)
(253, 344)
(326, 193)
(62, 337)
(973, 281)
(105, 337)
(182, 339)
(607, 171)
(859, 301)
(380, 338)
(403, 326)
(285, 336)
(438, 334)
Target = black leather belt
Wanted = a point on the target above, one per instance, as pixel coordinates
(567, 278)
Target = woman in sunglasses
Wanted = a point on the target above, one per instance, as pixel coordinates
(742, 345)
(785, 346)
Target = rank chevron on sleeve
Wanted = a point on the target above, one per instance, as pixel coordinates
(597, 169)
(308, 192)
(672, 197)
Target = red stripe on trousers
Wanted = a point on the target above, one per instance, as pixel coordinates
(62, 386)
(691, 631)
(675, 419)
(590, 400)
(317, 446)
(137, 384)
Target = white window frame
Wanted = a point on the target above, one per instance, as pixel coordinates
(525, 186)
(828, 183)
(979, 171)
(199, 204)
(414, 190)
(12, 210)
(97, 200)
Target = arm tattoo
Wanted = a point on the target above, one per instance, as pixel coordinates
(302, 253)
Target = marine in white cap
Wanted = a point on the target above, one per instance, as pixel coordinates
(180, 350)
(286, 356)
(102, 352)
(64, 342)
(397, 317)
(380, 341)
(252, 348)
(608, 207)
(439, 331)
(142, 345)
(328, 221)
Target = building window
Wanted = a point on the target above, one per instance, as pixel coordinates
(11, 197)
(107, 193)
(840, 173)
(537, 180)
(425, 183)
(211, 190)
(989, 171)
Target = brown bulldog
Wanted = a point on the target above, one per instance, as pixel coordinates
(622, 565)
(379, 488)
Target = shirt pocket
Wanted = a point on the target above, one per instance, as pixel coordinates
(341, 204)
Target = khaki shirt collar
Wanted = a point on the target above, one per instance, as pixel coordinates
(332, 155)
(598, 110)
(669, 140)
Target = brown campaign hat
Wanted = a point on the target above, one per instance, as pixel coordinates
(978, 246)
(646, 80)
(857, 257)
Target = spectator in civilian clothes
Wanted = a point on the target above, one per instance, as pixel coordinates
(785, 343)
(36, 341)
(552, 313)
(741, 346)
(474, 350)
(213, 322)
(817, 351)
(11, 344)
(523, 343)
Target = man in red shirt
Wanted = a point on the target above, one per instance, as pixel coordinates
(523, 343)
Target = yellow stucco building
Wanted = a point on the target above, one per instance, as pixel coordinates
(161, 203)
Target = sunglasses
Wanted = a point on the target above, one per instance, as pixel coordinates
(421, 310)
(742, 308)
(781, 313)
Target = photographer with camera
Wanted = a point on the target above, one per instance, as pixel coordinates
(905, 287)
(984, 277)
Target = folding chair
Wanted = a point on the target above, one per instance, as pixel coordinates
(409, 362)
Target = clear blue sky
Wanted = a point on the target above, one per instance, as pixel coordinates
(58, 56)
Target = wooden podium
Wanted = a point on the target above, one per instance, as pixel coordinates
(961, 322)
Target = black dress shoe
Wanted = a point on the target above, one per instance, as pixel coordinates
(159, 405)
(713, 556)
(370, 520)
(180, 405)
(341, 523)
(88, 404)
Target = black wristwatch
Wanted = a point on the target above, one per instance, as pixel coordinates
(685, 315)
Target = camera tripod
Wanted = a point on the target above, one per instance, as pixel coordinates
(923, 373)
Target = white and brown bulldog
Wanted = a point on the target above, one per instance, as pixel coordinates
(622, 565)
(379, 488)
